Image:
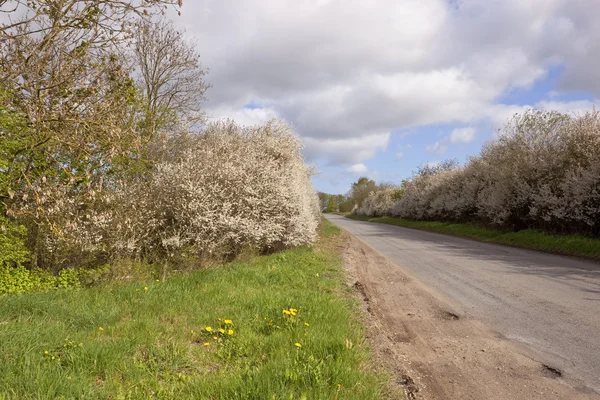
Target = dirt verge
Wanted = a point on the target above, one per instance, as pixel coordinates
(431, 350)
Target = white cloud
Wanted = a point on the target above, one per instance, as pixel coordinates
(458, 135)
(438, 147)
(342, 151)
(244, 116)
(340, 70)
(462, 135)
(358, 169)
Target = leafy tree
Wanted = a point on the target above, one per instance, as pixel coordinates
(360, 190)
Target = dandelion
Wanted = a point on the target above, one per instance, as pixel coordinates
(206, 344)
(46, 352)
(216, 338)
(230, 332)
(228, 322)
(208, 329)
(307, 324)
(158, 280)
(145, 287)
(222, 331)
(298, 345)
(100, 328)
(286, 312)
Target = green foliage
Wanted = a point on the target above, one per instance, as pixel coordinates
(18, 280)
(360, 190)
(572, 245)
(331, 203)
(13, 252)
(150, 340)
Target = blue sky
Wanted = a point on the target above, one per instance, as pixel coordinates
(379, 88)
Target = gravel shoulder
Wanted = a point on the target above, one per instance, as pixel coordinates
(434, 350)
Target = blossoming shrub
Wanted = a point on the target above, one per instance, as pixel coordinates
(379, 202)
(543, 172)
(231, 188)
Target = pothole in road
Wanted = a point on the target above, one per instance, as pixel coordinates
(551, 372)
(450, 316)
(410, 388)
(359, 286)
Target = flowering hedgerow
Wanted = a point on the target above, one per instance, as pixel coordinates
(542, 172)
(231, 188)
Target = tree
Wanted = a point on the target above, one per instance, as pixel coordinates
(360, 190)
(71, 103)
(170, 75)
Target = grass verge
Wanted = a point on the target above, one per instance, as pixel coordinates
(571, 245)
(289, 331)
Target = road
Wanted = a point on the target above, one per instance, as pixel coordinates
(549, 306)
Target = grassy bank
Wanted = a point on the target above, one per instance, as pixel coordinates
(572, 245)
(277, 327)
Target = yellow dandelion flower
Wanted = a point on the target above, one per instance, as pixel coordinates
(222, 331)
(307, 324)
(293, 310)
(286, 312)
(216, 338)
(145, 287)
(158, 280)
(228, 322)
(100, 328)
(46, 352)
(298, 345)
(230, 332)
(206, 343)
(208, 329)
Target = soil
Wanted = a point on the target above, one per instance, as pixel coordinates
(434, 353)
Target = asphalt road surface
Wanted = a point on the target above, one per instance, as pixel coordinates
(548, 305)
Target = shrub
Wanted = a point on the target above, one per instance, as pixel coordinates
(543, 172)
(379, 202)
(231, 188)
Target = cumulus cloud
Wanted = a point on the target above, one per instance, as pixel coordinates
(351, 150)
(462, 135)
(458, 135)
(358, 169)
(347, 73)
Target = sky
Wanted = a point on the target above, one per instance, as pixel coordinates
(378, 88)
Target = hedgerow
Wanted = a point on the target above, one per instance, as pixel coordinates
(542, 172)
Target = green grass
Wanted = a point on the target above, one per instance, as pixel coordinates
(147, 339)
(572, 245)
